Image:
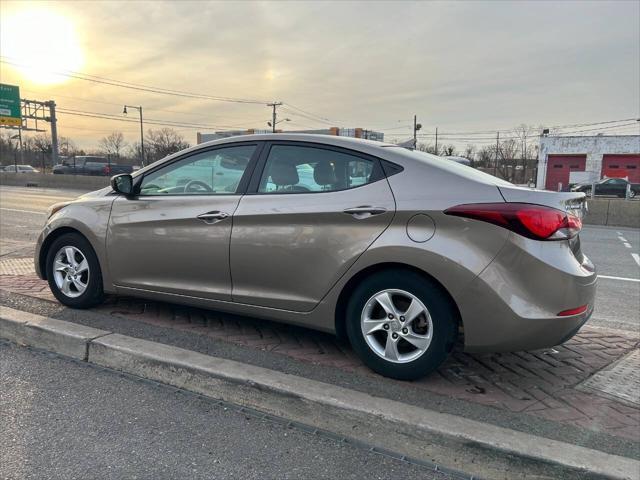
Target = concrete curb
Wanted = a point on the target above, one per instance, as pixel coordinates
(315, 403)
(65, 338)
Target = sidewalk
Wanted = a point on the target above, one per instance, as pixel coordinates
(584, 383)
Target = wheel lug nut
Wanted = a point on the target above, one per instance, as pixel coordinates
(390, 316)
(402, 319)
(386, 326)
(394, 335)
(405, 330)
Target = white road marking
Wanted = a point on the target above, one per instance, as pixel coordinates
(622, 239)
(23, 211)
(627, 244)
(619, 233)
(636, 257)
(624, 279)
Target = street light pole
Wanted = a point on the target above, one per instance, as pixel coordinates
(139, 108)
(416, 127)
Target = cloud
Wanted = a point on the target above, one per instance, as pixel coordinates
(463, 65)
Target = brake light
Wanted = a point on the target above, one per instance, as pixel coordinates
(573, 311)
(106, 170)
(532, 221)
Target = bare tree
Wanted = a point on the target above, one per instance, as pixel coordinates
(470, 153)
(486, 156)
(162, 142)
(113, 144)
(67, 147)
(42, 142)
(448, 150)
(426, 147)
(508, 159)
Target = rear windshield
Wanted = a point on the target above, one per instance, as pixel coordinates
(451, 166)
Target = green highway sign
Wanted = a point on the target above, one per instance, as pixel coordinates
(10, 112)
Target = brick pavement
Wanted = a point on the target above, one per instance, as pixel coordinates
(543, 383)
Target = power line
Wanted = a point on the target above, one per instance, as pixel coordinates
(139, 87)
(152, 121)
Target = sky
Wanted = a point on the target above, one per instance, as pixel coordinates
(460, 66)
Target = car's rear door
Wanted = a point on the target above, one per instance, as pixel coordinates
(310, 212)
(174, 236)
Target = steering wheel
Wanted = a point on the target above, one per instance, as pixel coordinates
(199, 186)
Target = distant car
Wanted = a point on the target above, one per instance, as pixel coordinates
(395, 249)
(609, 186)
(20, 169)
(90, 165)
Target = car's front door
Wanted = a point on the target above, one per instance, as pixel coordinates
(173, 237)
(310, 212)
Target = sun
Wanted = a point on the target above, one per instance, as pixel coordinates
(41, 43)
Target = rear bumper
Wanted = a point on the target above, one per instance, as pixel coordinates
(514, 303)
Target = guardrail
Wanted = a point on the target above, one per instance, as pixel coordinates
(613, 212)
(43, 180)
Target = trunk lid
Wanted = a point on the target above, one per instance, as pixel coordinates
(574, 203)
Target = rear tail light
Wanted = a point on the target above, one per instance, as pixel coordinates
(106, 170)
(532, 221)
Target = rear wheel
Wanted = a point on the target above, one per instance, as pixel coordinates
(401, 324)
(73, 272)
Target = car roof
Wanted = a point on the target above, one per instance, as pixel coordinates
(299, 137)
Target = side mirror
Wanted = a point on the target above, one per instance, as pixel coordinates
(122, 183)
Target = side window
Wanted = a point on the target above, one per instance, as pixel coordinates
(300, 169)
(216, 172)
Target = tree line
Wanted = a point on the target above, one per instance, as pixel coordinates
(514, 158)
(158, 143)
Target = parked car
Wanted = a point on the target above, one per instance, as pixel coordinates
(609, 186)
(90, 165)
(20, 169)
(402, 252)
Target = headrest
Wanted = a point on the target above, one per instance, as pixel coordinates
(323, 173)
(284, 173)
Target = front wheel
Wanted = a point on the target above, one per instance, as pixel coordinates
(73, 272)
(632, 194)
(401, 324)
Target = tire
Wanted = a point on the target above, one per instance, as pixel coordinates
(587, 192)
(632, 194)
(438, 317)
(79, 248)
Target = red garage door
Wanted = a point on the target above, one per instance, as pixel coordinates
(620, 166)
(558, 168)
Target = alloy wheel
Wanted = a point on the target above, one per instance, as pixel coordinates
(71, 271)
(396, 325)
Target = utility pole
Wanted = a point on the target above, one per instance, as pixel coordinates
(139, 108)
(495, 164)
(524, 161)
(416, 127)
(54, 131)
(436, 140)
(273, 118)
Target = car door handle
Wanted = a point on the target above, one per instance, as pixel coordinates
(364, 211)
(212, 217)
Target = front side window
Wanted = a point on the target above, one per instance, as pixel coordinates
(298, 169)
(215, 172)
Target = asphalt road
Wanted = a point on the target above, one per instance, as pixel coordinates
(66, 419)
(22, 214)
